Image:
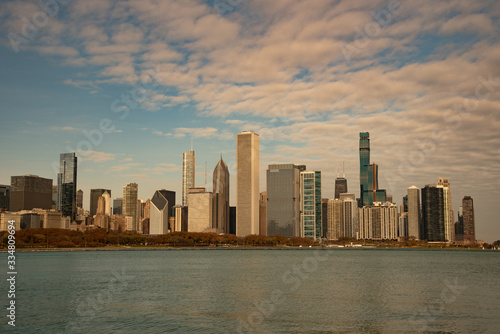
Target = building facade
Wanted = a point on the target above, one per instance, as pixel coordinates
(310, 205)
(283, 199)
(469, 225)
(200, 214)
(433, 219)
(414, 214)
(221, 179)
(94, 197)
(30, 191)
(129, 205)
(368, 174)
(66, 185)
(449, 220)
(247, 183)
(188, 174)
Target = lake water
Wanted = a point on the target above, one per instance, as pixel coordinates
(257, 291)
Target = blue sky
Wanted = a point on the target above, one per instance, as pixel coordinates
(422, 77)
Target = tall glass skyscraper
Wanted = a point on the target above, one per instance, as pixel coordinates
(310, 205)
(66, 185)
(283, 205)
(368, 174)
(433, 223)
(129, 204)
(188, 174)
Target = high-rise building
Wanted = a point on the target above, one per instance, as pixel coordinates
(459, 226)
(405, 203)
(79, 198)
(403, 224)
(4, 197)
(160, 210)
(94, 196)
(414, 215)
(66, 184)
(129, 204)
(247, 183)
(349, 215)
(310, 205)
(188, 174)
(263, 214)
(283, 199)
(117, 206)
(324, 217)
(232, 220)
(107, 202)
(433, 223)
(340, 184)
(200, 215)
(379, 221)
(30, 191)
(449, 219)
(221, 197)
(335, 218)
(469, 225)
(368, 174)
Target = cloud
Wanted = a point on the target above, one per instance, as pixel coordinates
(95, 156)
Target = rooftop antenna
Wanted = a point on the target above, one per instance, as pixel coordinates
(191, 143)
(205, 174)
(337, 170)
(343, 169)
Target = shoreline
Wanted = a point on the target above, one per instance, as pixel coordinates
(130, 248)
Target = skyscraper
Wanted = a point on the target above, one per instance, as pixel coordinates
(368, 174)
(188, 174)
(66, 184)
(468, 220)
(449, 226)
(4, 197)
(160, 210)
(200, 215)
(335, 226)
(349, 215)
(340, 184)
(433, 224)
(283, 204)
(129, 204)
(94, 197)
(79, 198)
(263, 214)
(247, 183)
(310, 205)
(414, 215)
(117, 206)
(107, 202)
(30, 191)
(221, 197)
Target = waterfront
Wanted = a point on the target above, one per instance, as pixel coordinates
(262, 291)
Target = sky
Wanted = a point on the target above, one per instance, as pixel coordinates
(128, 84)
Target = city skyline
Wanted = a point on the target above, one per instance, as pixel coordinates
(308, 96)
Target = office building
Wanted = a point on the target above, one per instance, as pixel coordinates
(232, 220)
(160, 211)
(335, 218)
(469, 234)
(94, 196)
(368, 174)
(66, 185)
(129, 205)
(378, 222)
(283, 199)
(181, 218)
(403, 225)
(79, 198)
(117, 206)
(449, 219)
(310, 205)
(414, 217)
(340, 184)
(459, 226)
(349, 220)
(221, 197)
(30, 191)
(433, 219)
(247, 183)
(188, 174)
(263, 214)
(324, 217)
(200, 214)
(4, 197)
